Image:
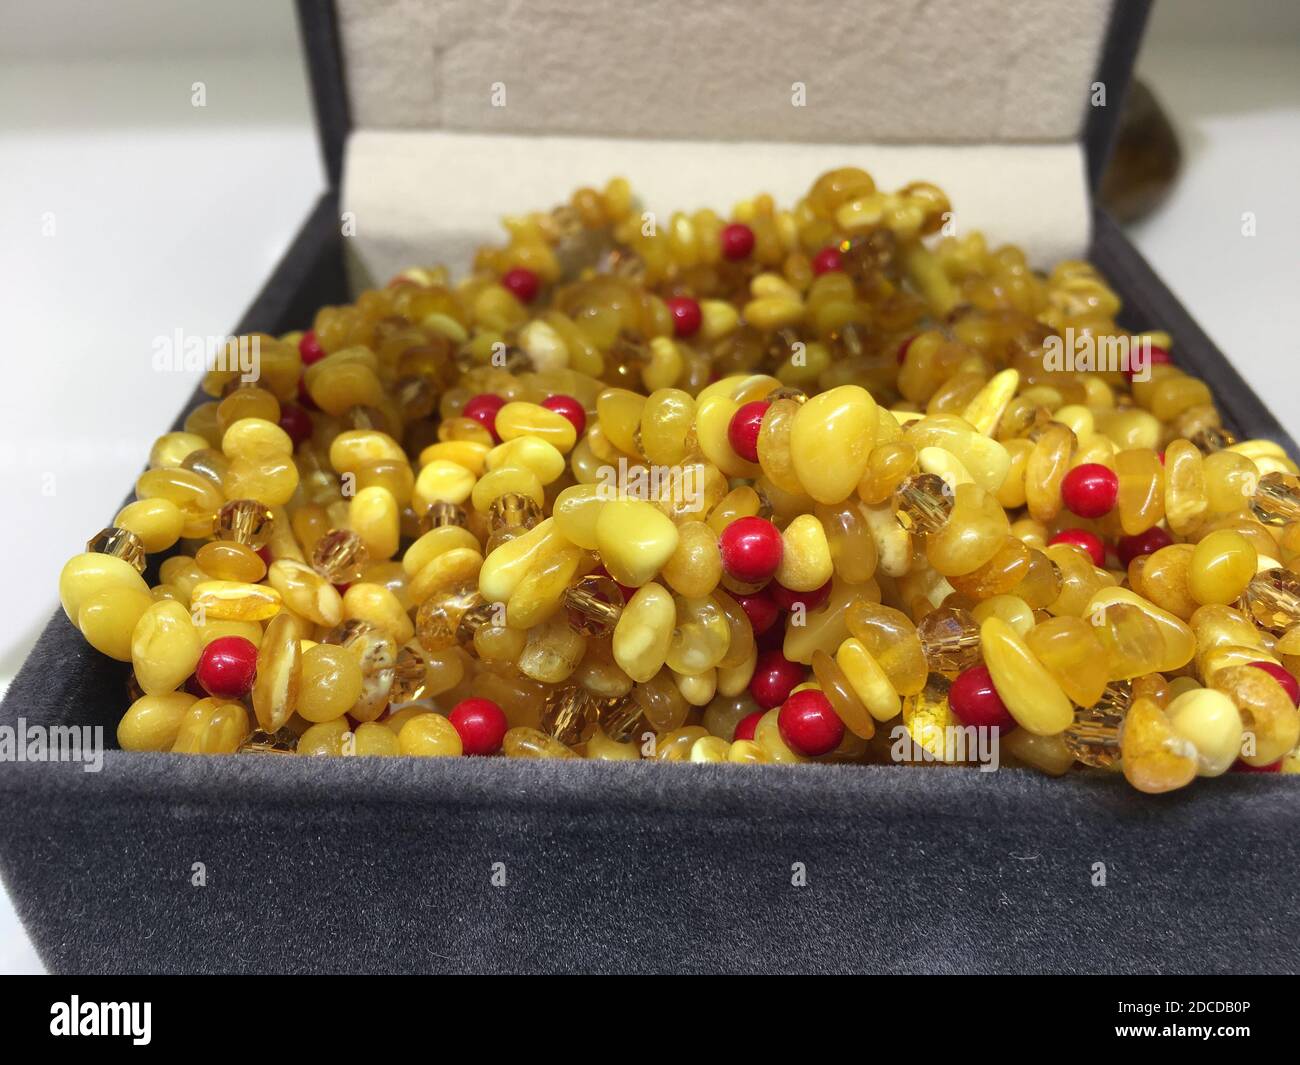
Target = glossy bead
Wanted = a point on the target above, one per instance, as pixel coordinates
(330, 682)
(686, 315)
(295, 421)
(1029, 691)
(570, 408)
(165, 647)
(841, 423)
(1154, 757)
(751, 548)
(521, 283)
(278, 675)
(482, 725)
(1093, 544)
(827, 260)
(635, 540)
(212, 726)
(1209, 721)
(483, 409)
(746, 725)
(809, 724)
(309, 348)
(152, 722)
(743, 430)
(775, 677)
(1283, 677)
(226, 667)
(760, 608)
(1145, 543)
(975, 700)
(1090, 490)
(736, 241)
(1223, 563)
(430, 736)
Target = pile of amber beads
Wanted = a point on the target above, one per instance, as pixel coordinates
(787, 487)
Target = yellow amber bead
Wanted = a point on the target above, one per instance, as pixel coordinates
(330, 738)
(1071, 652)
(107, 619)
(524, 742)
(91, 573)
(1141, 501)
(229, 561)
(1028, 689)
(158, 522)
(235, 600)
(374, 740)
(831, 439)
(1139, 636)
(505, 567)
(212, 726)
(644, 632)
(279, 673)
(1209, 721)
(869, 682)
(530, 419)
(806, 555)
(1154, 757)
(1270, 720)
(330, 684)
(430, 736)
(376, 604)
(306, 592)
(374, 515)
(635, 540)
(1221, 566)
(153, 721)
(165, 647)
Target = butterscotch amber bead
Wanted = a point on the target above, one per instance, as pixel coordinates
(376, 653)
(526, 742)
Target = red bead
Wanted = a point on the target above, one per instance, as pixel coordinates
(304, 397)
(1283, 677)
(227, 666)
(775, 677)
(903, 349)
(264, 553)
(809, 724)
(746, 725)
(483, 409)
(826, 260)
(521, 283)
(975, 701)
(788, 600)
(1159, 357)
(481, 723)
(1144, 543)
(296, 422)
(686, 315)
(1089, 541)
(737, 241)
(760, 609)
(742, 432)
(1090, 490)
(309, 348)
(1241, 767)
(751, 550)
(570, 408)
(772, 640)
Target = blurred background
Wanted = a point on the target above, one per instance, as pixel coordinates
(126, 214)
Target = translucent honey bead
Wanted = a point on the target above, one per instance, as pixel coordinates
(171, 449)
(235, 600)
(552, 652)
(1270, 720)
(245, 521)
(888, 465)
(700, 638)
(1030, 693)
(635, 540)
(279, 673)
(196, 497)
(430, 736)
(526, 742)
(1001, 574)
(974, 533)
(1070, 650)
(767, 735)
(594, 604)
(120, 543)
(676, 746)
(1163, 577)
(1221, 566)
(340, 556)
(157, 523)
(229, 561)
(152, 722)
(839, 691)
(831, 438)
(570, 716)
(376, 654)
(165, 647)
(695, 567)
(1093, 738)
(1045, 469)
(1138, 636)
(661, 702)
(775, 456)
(1154, 757)
(950, 641)
(306, 592)
(1141, 500)
(892, 640)
(1080, 579)
(1047, 754)
(438, 620)
(212, 726)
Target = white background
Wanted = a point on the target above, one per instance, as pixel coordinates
(167, 216)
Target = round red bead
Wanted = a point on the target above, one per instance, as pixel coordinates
(775, 677)
(746, 725)
(742, 432)
(481, 723)
(751, 550)
(787, 599)
(1089, 541)
(309, 348)
(227, 666)
(1283, 676)
(295, 421)
(1241, 767)
(483, 409)
(686, 315)
(760, 609)
(1144, 543)
(570, 408)
(975, 700)
(1158, 357)
(1090, 490)
(826, 260)
(737, 241)
(521, 283)
(809, 724)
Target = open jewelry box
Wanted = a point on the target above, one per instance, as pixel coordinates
(495, 865)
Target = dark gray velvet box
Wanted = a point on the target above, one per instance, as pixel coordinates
(381, 865)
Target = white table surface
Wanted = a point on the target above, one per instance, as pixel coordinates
(169, 217)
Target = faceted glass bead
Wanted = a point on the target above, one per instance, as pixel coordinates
(120, 543)
(1094, 736)
(441, 513)
(474, 620)
(410, 676)
(1277, 499)
(438, 621)
(511, 515)
(340, 556)
(924, 503)
(246, 521)
(376, 651)
(1213, 438)
(927, 717)
(570, 716)
(1273, 599)
(282, 741)
(950, 637)
(622, 719)
(594, 603)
